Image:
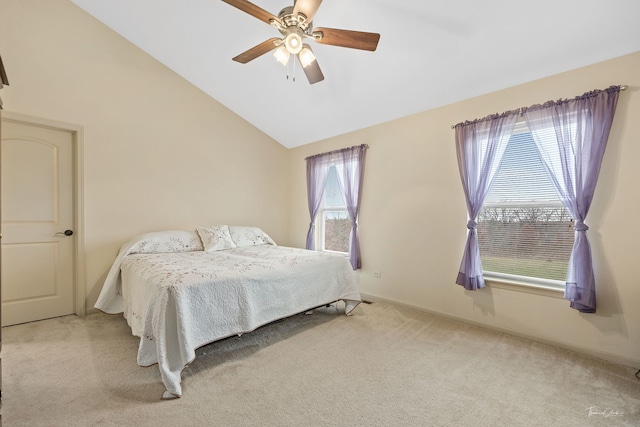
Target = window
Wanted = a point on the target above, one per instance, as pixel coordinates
(334, 183)
(335, 225)
(524, 231)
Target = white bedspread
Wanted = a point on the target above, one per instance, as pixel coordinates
(177, 302)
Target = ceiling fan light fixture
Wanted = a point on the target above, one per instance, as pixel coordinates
(293, 43)
(306, 57)
(282, 55)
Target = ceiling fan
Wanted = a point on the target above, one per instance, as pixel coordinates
(295, 24)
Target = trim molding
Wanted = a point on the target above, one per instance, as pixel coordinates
(77, 132)
(513, 285)
(610, 357)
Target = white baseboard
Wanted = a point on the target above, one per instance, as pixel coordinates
(610, 357)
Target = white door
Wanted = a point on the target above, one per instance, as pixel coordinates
(37, 208)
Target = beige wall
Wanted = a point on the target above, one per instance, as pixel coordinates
(158, 153)
(413, 218)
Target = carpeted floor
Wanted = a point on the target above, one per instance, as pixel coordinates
(385, 366)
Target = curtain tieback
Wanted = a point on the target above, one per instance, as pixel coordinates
(472, 225)
(580, 226)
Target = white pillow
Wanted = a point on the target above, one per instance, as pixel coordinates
(166, 241)
(216, 238)
(249, 236)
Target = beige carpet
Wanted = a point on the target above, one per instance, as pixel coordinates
(384, 366)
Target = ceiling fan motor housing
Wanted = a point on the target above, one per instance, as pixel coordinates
(294, 27)
(289, 20)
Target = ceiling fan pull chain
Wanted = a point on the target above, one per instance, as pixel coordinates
(294, 70)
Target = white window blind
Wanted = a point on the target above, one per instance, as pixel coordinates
(523, 228)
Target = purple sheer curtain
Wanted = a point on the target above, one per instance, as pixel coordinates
(317, 169)
(3, 79)
(480, 146)
(579, 130)
(351, 162)
(352, 174)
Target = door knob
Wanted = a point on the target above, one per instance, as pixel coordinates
(65, 232)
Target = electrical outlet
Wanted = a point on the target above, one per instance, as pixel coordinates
(377, 274)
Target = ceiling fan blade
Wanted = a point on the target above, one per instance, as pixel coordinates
(252, 9)
(257, 51)
(348, 38)
(307, 7)
(312, 71)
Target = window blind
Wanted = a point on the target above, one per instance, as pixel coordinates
(523, 228)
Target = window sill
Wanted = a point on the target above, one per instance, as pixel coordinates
(346, 254)
(513, 284)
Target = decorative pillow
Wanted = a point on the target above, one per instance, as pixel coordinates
(249, 236)
(167, 241)
(216, 238)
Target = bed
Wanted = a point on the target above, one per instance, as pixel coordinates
(180, 290)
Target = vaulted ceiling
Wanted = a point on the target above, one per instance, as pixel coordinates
(431, 53)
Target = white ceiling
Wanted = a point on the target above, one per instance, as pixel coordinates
(431, 53)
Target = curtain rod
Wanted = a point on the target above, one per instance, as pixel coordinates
(622, 87)
(337, 151)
